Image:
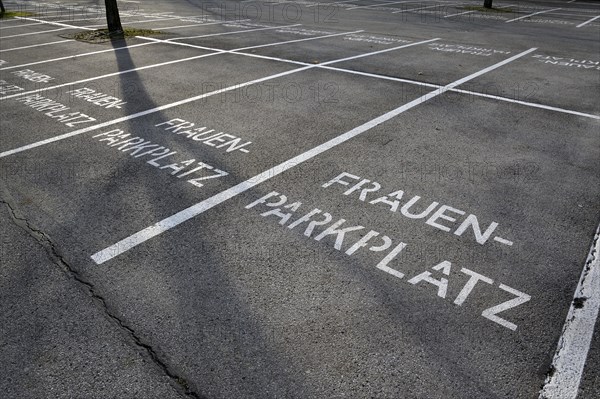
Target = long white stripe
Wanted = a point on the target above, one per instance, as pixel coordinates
(424, 8)
(323, 4)
(68, 57)
(469, 12)
(177, 103)
(89, 19)
(194, 210)
(384, 77)
(36, 45)
(574, 343)
(55, 23)
(24, 93)
(588, 21)
(530, 15)
(460, 13)
(297, 40)
(234, 32)
(33, 33)
(382, 4)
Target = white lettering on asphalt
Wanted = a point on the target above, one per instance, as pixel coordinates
(347, 238)
(99, 99)
(445, 217)
(33, 76)
(205, 135)
(138, 147)
(6, 88)
(55, 109)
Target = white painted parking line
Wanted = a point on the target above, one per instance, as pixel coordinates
(188, 100)
(234, 32)
(323, 4)
(36, 45)
(382, 4)
(194, 210)
(574, 343)
(68, 57)
(170, 62)
(425, 8)
(528, 104)
(193, 25)
(469, 12)
(108, 75)
(384, 77)
(530, 15)
(588, 21)
(33, 33)
(460, 13)
(20, 26)
(295, 41)
(55, 23)
(125, 23)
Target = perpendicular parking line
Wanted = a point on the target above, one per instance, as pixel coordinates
(68, 57)
(216, 52)
(425, 8)
(532, 14)
(233, 32)
(381, 4)
(89, 53)
(185, 101)
(588, 21)
(384, 77)
(34, 33)
(200, 207)
(36, 45)
(569, 359)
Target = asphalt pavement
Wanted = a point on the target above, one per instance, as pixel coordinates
(295, 199)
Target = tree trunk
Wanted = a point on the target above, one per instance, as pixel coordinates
(2, 9)
(112, 18)
(487, 3)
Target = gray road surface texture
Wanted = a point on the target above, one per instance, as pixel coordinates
(296, 199)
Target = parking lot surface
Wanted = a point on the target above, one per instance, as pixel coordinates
(296, 199)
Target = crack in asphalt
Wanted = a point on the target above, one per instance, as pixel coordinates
(180, 383)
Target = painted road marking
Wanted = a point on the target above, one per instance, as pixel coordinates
(382, 4)
(424, 8)
(460, 13)
(114, 74)
(36, 45)
(168, 63)
(468, 92)
(588, 21)
(325, 4)
(530, 15)
(234, 32)
(574, 343)
(295, 41)
(188, 100)
(384, 77)
(194, 210)
(76, 55)
(469, 12)
(55, 23)
(33, 33)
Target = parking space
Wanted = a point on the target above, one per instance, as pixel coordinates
(362, 198)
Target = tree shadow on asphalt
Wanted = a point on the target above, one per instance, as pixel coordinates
(199, 327)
